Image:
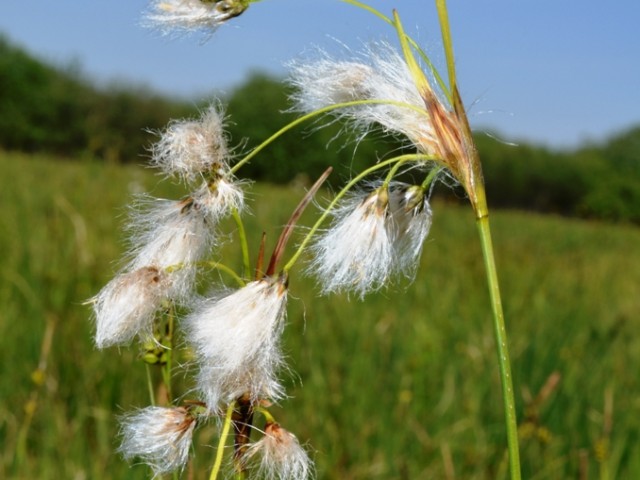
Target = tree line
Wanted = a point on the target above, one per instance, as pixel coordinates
(56, 110)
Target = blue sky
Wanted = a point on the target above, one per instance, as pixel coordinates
(558, 72)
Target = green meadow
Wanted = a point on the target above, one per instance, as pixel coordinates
(401, 386)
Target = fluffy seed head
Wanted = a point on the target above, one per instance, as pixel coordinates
(355, 253)
(185, 16)
(280, 456)
(126, 306)
(160, 436)
(374, 236)
(237, 339)
(189, 149)
(174, 234)
(383, 75)
(406, 104)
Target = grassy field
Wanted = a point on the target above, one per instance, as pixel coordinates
(402, 386)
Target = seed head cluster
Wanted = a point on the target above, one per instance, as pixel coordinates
(375, 236)
(235, 335)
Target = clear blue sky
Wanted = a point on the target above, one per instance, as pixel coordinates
(553, 71)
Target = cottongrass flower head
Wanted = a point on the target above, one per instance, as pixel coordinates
(127, 305)
(381, 75)
(160, 436)
(375, 235)
(355, 253)
(280, 456)
(237, 339)
(184, 16)
(190, 149)
(174, 234)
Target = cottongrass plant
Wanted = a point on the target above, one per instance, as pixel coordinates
(370, 234)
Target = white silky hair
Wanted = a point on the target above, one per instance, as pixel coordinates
(279, 456)
(380, 74)
(355, 253)
(369, 243)
(188, 149)
(160, 436)
(171, 233)
(237, 339)
(127, 305)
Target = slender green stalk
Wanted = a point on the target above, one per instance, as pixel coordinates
(342, 193)
(477, 196)
(242, 234)
(229, 271)
(223, 441)
(152, 395)
(433, 173)
(316, 113)
(500, 332)
(447, 42)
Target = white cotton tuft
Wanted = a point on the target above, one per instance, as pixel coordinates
(374, 237)
(190, 149)
(278, 456)
(237, 339)
(127, 305)
(160, 436)
(177, 234)
(355, 253)
(382, 75)
(185, 16)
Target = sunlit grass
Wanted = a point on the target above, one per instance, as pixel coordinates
(404, 385)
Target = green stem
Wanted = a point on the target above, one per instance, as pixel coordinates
(316, 113)
(433, 173)
(223, 441)
(443, 15)
(242, 234)
(152, 396)
(500, 332)
(339, 195)
(229, 271)
(266, 414)
(392, 173)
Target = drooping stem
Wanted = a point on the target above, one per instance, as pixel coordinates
(500, 332)
(317, 113)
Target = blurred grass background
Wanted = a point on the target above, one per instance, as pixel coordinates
(403, 385)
